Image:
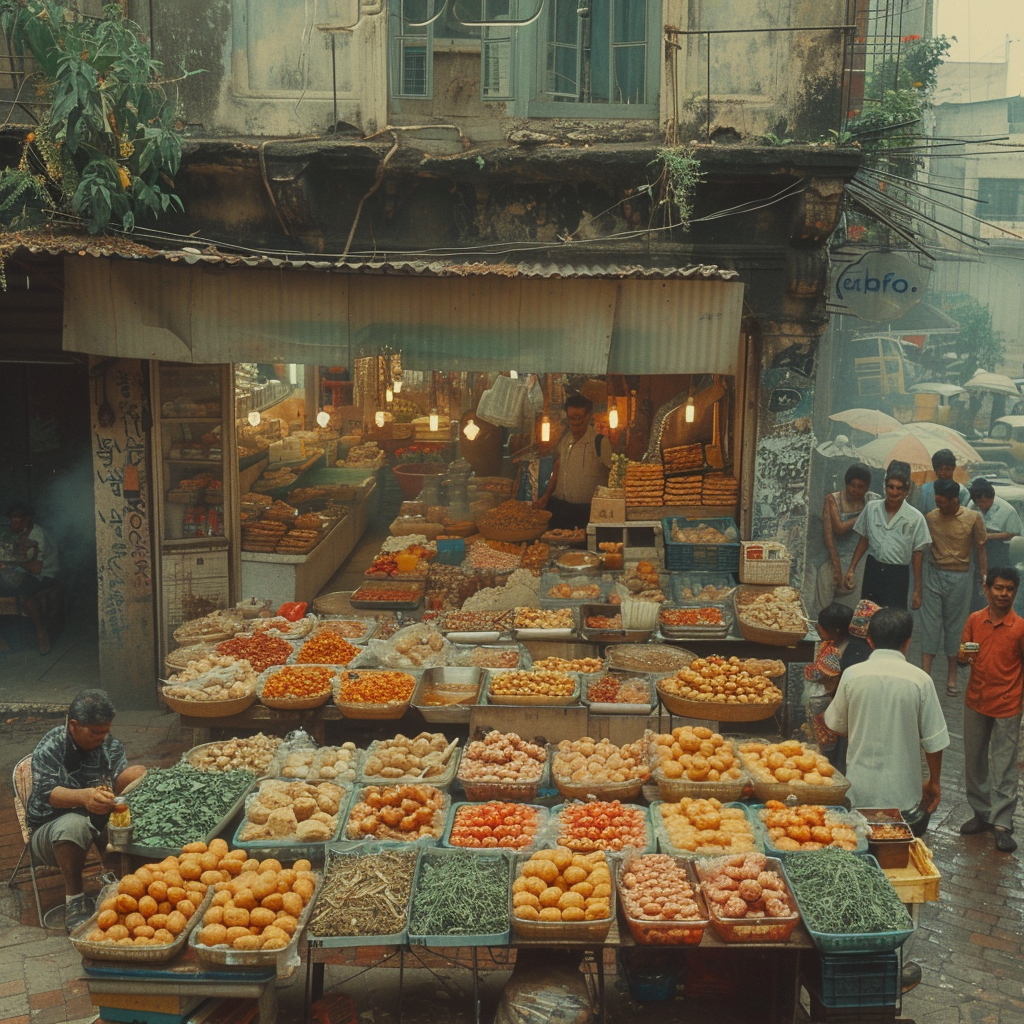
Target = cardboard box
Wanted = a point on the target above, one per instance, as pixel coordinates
(608, 510)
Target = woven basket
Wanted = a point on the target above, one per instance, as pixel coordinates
(712, 711)
(179, 658)
(296, 704)
(513, 536)
(760, 635)
(396, 709)
(763, 570)
(209, 708)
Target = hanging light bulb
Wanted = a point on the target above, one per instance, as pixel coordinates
(514, 374)
(378, 417)
(323, 418)
(433, 420)
(398, 387)
(613, 418)
(389, 395)
(471, 430)
(545, 428)
(691, 410)
(254, 418)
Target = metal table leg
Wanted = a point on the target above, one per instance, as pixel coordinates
(476, 990)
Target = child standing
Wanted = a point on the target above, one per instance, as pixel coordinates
(822, 676)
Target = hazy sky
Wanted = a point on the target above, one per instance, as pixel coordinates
(982, 28)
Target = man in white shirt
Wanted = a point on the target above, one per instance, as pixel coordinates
(1002, 524)
(37, 567)
(893, 535)
(890, 711)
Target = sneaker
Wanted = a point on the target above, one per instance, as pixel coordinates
(77, 912)
(1005, 843)
(974, 826)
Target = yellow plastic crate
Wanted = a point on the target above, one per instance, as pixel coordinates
(919, 881)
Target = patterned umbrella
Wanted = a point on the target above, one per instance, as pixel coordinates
(915, 447)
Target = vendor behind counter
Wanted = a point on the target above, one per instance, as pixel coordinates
(582, 459)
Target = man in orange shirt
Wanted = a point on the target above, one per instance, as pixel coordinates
(992, 708)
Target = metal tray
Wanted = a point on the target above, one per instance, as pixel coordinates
(612, 708)
(470, 678)
(442, 782)
(539, 700)
(397, 606)
(371, 625)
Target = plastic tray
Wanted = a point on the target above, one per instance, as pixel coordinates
(627, 656)
(439, 821)
(848, 942)
(744, 929)
(682, 932)
(665, 844)
(551, 933)
(535, 843)
(292, 848)
(463, 653)
(687, 556)
(580, 579)
(610, 708)
(301, 704)
(225, 956)
(442, 782)
(198, 750)
(698, 580)
(133, 954)
(292, 632)
(363, 849)
(512, 792)
(837, 814)
(371, 605)
(649, 844)
(708, 632)
(538, 700)
(370, 621)
(462, 938)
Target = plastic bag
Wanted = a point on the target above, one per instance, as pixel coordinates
(545, 986)
(419, 646)
(502, 403)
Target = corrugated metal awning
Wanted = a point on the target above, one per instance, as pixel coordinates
(478, 317)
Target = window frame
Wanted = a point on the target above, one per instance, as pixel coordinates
(992, 189)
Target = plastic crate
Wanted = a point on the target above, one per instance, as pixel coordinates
(860, 980)
(681, 556)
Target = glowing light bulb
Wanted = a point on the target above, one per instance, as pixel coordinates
(378, 418)
(398, 387)
(514, 374)
(254, 418)
(613, 418)
(691, 410)
(433, 420)
(471, 430)
(323, 418)
(545, 429)
(389, 395)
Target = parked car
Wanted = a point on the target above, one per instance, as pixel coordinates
(1005, 443)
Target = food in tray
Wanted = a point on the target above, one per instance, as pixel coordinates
(449, 694)
(396, 594)
(604, 621)
(702, 534)
(654, 887)
(649, 657)
(495, 824)
(426, 756)
(153, 905)
(692, 617)
(643, 583)
(297, 682)
(226, 679)
(558, 885)
(243, 920)
(386, 565)
(570, 664)
(278, 625)
(171, 807)
(413, 542)
(405, 813)
(601, 825)
(807, 827)
(476, 622)
(365, 454)
(599, 762)
(577, 560)
(532, 683)
(365, 894)
(575, 591)
(375, 687)
(513, 515)
(350, 629)
(386, 630)
(565, 536)
(706, 825)
(322, 762)
(483, 556)
(612, 690)
(611, 547)
(216, 624)
(259, 649)
(694, 753)
(281, 811)
(501, 758)
(535, 556)
(493, 657)
(789, 761)
(252, 752)
(743, 886)
(482, 882)
(694, 590)
(414, 647)
(877, 832)
(326, 647)
(721, 681)
(779, 609)
(543, 618)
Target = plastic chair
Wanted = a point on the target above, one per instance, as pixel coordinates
(21, 784)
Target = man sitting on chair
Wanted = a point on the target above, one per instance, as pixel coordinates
(77, 768)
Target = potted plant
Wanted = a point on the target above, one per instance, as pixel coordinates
(414, 463)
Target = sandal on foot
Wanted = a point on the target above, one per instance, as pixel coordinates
(952, 691)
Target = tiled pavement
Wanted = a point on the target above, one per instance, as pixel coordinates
(970, 943)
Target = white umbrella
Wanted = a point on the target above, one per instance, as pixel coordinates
(997, 383)
(871, 421)
(936, 388)
(915, 448)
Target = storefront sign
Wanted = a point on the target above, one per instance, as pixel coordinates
(877, 286)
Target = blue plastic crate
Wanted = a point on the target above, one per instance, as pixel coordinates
(856, 980)
(452, 551)
(683, 556)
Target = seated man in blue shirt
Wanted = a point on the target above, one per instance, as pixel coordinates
(77, 768)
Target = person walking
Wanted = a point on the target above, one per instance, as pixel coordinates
(893, 535)
(992, 708)
(944, 464)
(948, 584)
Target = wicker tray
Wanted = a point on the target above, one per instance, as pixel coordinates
(133, 954)
(516, 536)
(296, 704)
(674, 790)
(712, 711)
(760, 635)
(551, 933)
(181, 657)
(193, 752)
(209, 708)
(628, 790)
(805, 794)
(362, 709)
(678, 932)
